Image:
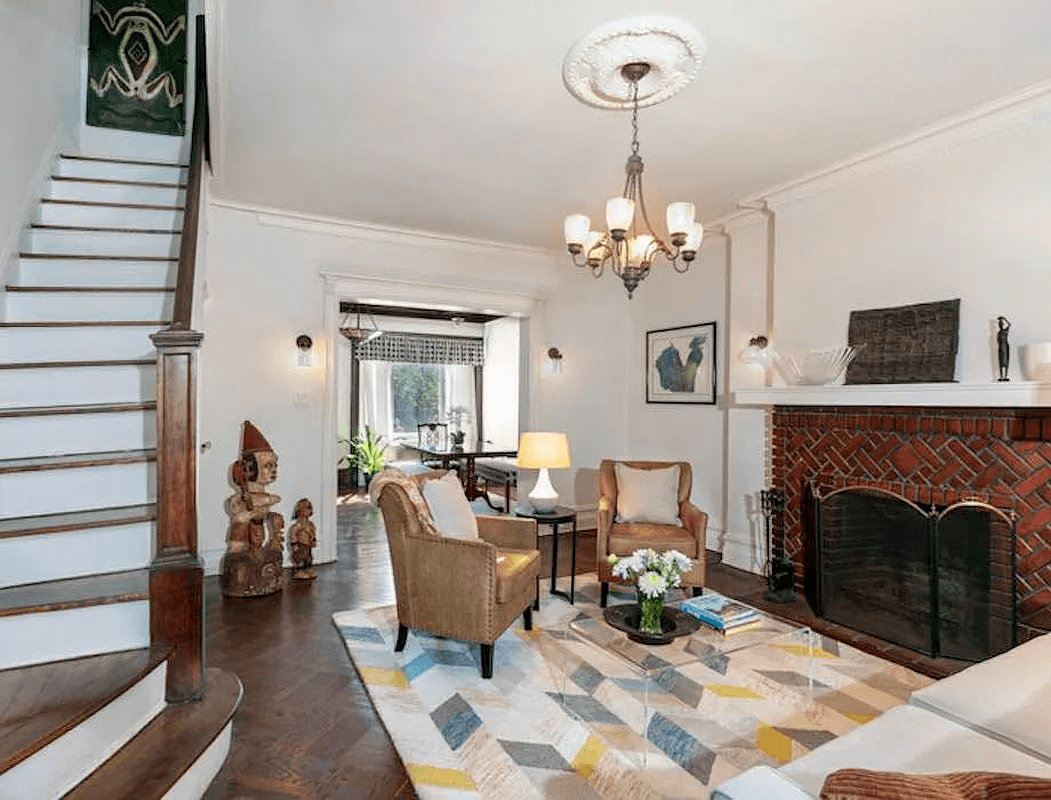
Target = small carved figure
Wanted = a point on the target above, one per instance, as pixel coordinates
(252, 564)
(302, 537)
(1003, 347)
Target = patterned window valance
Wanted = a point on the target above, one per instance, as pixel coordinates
(417, 348)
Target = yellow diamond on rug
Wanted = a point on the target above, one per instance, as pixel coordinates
(437, 776)
(774, 743)
(383, 677)
(725, 690)
(803, 650)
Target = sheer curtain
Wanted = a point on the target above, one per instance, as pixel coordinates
(377, 405)
(458, 392)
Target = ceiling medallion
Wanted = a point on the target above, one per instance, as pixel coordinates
(592, 70)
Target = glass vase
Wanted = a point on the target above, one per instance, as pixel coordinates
(652, 611)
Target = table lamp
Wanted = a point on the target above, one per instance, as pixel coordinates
(543, 451)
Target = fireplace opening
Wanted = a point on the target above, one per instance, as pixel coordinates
(938, 581)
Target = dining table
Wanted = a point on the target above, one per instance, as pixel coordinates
(465, 456)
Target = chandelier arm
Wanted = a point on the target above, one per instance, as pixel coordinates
(642, 207)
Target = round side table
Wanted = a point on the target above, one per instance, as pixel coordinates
(562, 515)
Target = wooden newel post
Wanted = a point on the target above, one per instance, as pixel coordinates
(176, 573)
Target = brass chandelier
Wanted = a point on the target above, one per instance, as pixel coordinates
(627, 247)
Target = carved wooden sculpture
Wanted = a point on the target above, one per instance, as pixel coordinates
(255, 549)
(302, 537)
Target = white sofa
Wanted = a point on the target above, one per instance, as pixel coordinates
(993, 716)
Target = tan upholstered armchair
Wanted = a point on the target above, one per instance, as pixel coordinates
(623, 538)
(470, 590)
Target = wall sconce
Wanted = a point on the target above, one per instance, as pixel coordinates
(553, 365)
(757, 353)
(304, 351)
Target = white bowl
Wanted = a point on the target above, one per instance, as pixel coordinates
(818, 367)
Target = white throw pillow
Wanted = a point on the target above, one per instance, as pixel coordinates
(648, 495)
(449, 507)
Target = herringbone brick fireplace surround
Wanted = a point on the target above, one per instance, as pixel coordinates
(932, 456)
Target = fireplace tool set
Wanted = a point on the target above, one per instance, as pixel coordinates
(780, 573)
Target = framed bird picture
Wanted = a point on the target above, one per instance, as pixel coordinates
(680, 364)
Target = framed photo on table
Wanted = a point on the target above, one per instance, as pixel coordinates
(680, 364)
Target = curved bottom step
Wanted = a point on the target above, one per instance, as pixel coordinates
(177, 754)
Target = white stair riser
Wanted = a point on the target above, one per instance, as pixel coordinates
(101, 243)
(20, 388)
(88, 306)
(92, 551)
(133, 193)
(54, 491)
(54, 434)
(96, 216)
(77, 343)
(55, 769)
(95, 272)
(196, 780)
(120, 171)
(57, 635)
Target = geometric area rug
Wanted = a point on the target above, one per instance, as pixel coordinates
(563, 719)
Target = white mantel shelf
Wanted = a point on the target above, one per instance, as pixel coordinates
(1012, 394)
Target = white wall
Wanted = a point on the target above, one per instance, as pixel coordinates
(39, 94)
(270, 276)
(959, 214)
(500, 381)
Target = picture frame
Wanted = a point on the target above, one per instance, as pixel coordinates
(681, 364)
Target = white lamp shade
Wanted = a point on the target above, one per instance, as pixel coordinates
(576, 228)
(680, 218)
(641, 250)
(694, 238)
(539, 450)
(620, 211)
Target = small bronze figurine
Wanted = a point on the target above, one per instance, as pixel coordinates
(302, 537)
(1003, 348)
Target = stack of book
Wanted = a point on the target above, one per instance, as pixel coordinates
(725, 615)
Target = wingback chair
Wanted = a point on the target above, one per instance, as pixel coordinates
(470, 590)
(624, 538)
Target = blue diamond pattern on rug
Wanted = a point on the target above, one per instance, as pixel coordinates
(456, 720)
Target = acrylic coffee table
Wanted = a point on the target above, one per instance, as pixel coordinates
(658, 668)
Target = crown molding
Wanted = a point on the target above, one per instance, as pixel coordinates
(980, 122)
(333, 226)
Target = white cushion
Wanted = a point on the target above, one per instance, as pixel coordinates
(648, 495)
(1007, 697)
(449, 507)
(912, 740)
(759, 783)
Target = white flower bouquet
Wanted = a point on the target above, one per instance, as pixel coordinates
(653, 574)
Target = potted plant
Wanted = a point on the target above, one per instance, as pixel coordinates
(368, 453)
(458, 416)
(345, 465)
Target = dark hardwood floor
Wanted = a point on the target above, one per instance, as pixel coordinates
(306, 727)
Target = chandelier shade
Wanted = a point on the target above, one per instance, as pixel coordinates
(630, 244)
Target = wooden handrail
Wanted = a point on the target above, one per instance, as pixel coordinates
(200, 152)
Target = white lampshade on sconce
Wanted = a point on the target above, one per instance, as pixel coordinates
(757, 353)
(543, 451)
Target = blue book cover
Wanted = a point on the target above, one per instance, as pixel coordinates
(718, 611)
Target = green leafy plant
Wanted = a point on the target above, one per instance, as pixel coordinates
(367, 452)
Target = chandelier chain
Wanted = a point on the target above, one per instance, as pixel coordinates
(635, 118)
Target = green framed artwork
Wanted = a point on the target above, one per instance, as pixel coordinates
(680, 364)
(137, 66)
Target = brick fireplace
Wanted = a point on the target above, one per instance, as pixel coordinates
(932, 456)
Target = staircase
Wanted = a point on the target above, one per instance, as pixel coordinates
(79, 682)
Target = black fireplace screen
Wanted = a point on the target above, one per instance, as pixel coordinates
(939, 582)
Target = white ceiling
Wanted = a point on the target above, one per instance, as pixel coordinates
(451, 116)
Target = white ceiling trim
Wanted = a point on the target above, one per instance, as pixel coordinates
(977, 123)
(332, 226)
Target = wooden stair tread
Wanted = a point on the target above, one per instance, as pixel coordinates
(116, 362)
(106, 323)
(76, 520)
(75, 460)
(98, 289)
(83, 408)
(151, 763)
(106, 204)
(90, 590)
(117, 181)
(41, 702)
(44, 226)
(114, 160)
(94, 257)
